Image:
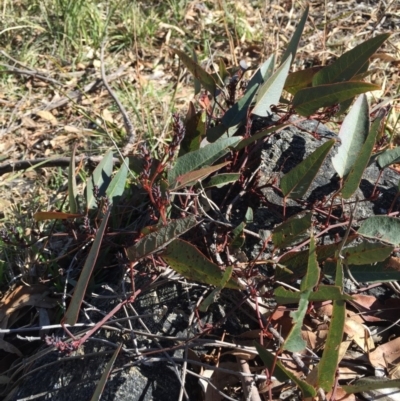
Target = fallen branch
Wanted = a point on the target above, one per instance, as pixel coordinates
(18, 165)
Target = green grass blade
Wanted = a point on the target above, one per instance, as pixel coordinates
(71, 316)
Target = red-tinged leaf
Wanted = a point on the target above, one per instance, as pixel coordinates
(198, 72)
(40, 216)
(193, 176)
(300, 79)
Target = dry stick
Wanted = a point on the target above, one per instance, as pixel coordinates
(34, 74)
(130, 130)
(249, 387)
(17, 165)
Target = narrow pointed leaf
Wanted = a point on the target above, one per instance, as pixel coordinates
(281, 373)
(373, 383)
(291, 231)
(350, 63)
(367, 252)
(117, 184)
(354, 176)
(40, 216)
(221, 180)
(197, 71)
(295, 39)
(101, 178)
(353, 134)
(201, 157)
(311, 279)
(197, 84)
(271, 91)
(388, 157)
(262, 74)
(324, 293)
(104, 377)
(193, 176)
(300, 79)
(238, 236)
(238, 112)
(71, 316)
(160, 238)
(195, 127)
(328, 364)
(296, 182)
(294, 341)
(308, 100)
(260, 135)
(188, 261)
(72, 188)
(216, 291)
(384, 228)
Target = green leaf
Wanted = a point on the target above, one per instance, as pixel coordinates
(221, 180)
(104, 377)
(281, 373)
(72, 188)
(291, 231)
(238, 112)
(308, 100)
(388, 157)
(373, 383)
(297, 261)
(324, 293)
(350, 63)
(249, 217)
(198, 72)
(367, 252)
(203, 156)
(262, 74)
(101, 178)
(195, 127)
(160, 238)
(238, 236)
(260, 135)
(71, 316)
(379, 272)
(353, 134)
(296, 182)
(188, 261)
(295, 39)
(300, 79)
(192, 177)
(354, 176)
(330, 358)
(117, 185)
(294, 341)
(311, 279)
(271, 91)
(384, 228)
(212, 297)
